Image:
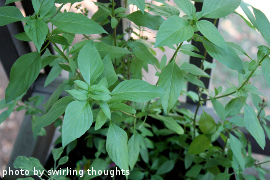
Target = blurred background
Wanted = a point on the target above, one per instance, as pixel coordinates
(233, 29)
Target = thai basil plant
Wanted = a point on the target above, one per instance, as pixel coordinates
(124, 121)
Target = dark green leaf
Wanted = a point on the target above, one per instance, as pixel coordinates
(77, 23)
(207, 124)
(42, 7)
(122, 107)
(28, 164)
(59, 40)
(194, 171)
(173, 31)
(54, 97)
(22, 37)
(219, 108)
(191, 68)
(57, 153)
(133, 150)
(9, 14)
(199, 144)
(53, 74)
(145, 19)
(166, 167)
(234, 106)
(11, 1)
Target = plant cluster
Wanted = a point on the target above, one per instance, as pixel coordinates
(123, 119)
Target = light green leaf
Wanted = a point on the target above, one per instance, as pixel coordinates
(210, 31)
(166, 167)
(133, 150)
(207, 124)
(9, 14)
(42, 7)
(238, 48)
(114, 52)
(55, 112)
(253, 126)
(90, 63)
(54, 97)
(53, 74)
(122, 107)
(59, 40)
(101, 120)
(117, 147)
(37, 31)
(108, 71)
(139, 3)
(137, 90)
(219, 108)
(114, 22)
(22, 37)
(67, 1)
(173, 31)
(238, 121)
(82, 84)
(234, 106)
(170, 123)
(263, 24)
(219, 8)
(193, 54)
(192, 79)
(145, 19)
(248, 13)
(99, 92)
(77, 23)
(25, 163)
(142, 52)
(186, 6)
(20, 76)
(57, 153)
(166, 11)
(105, 107)
(266, 70)
(171, 80)
(199, 144)
(79, 94)
(77, 120)
(191, 68)
(227, 57)
(236, 149)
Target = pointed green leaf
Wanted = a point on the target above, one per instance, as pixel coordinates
(170, 123)
(191, 68)
(21, 78)
(234, 106)
(9, 14)
(186, 6)
(219, 8)
(137, 90)
(57, 153)
(236, 149)
(263, 24)
(53, 74)
(117, 147)
(90, 63)
(37, 31)
(101, 120)
(248, 13)
(253, 126)
(77, 23)
(79, 94)
(99, 92)
(199, 144)
(133, 150)
(28, 164)
(145, 19)
(166, 11)
(173, 31)
(139, 3)
(114, 52)
(207, 124)
(42, 7)
(266, 70)
(171, 80)
(166, 167)
(77, 120)
(105, 108)
(122, 107)
(219, 108)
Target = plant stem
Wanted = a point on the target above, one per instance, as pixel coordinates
(175, 53)
(263, 162)
(195, 115)
(243, 84)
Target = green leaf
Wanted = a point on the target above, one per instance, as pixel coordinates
(108, 71)
(248, 13)
(266, 70)
(194, 171)
(142, 52)
(236, 149)
(37, 31)
(79, 94)
(53, 74)
(55, 112)
(210, 31)
(82, 84)
(11, 1)
(97, 164)
(145, 19)
(57, 153)
(54, 97)
(101, 120)
(191, 68)
(28, 164)
(199, 144)
(117, 147)
(263, 24)
(136, 90)
(207, 124)
(234, 106)
(63, 160)
(192, 79)
(21, 78)
(114, 52)
(42, 7)
(170, 123)
(171, 80)
(238, 121)
(227, 57)
(166, 11)
(90, 63)
(173, 31)
(59, 40)
(193, 54)
(22, 37)
(219, 108)
(114, 22)
(133, 150)
(77, 23)
(122, 107)
(77, 120)
(139, 3)
(99, 92)
(188, 160)
(67, 1)
(105, 108)
(253, 125)
(218, 9)
(186, 6)
(166, 167)
(9, 14)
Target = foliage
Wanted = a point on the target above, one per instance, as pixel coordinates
(140, 125)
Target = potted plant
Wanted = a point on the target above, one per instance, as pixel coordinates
(124, 125)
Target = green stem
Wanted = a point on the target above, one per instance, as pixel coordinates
(243, 84)
(175, 53)
(195, 115)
